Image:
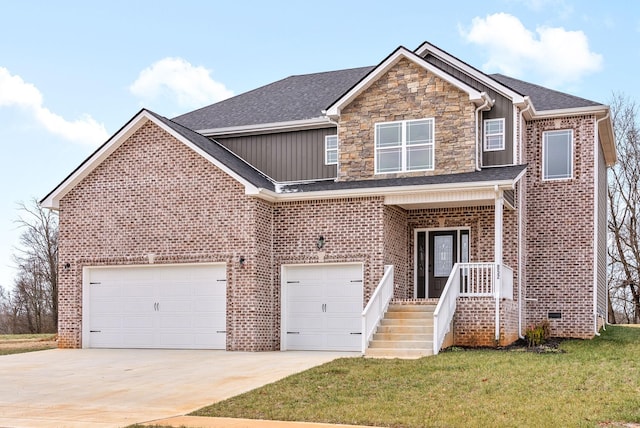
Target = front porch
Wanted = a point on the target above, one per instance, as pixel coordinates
(476, 308)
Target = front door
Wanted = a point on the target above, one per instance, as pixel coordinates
(442, 256)
(436, 253)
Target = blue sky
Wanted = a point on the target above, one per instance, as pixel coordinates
(73, 72)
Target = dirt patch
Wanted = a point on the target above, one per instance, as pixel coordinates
(551, 346)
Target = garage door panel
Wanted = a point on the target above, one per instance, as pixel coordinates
(166, 306)
(322, 306)
(344, 342)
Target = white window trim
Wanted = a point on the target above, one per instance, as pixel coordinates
(544, 155)
(403, 146)
(486, 148)
(326, 150)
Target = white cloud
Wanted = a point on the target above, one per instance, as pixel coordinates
(191, 86)
(558, 56)
(15, 92)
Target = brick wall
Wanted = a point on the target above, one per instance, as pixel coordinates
(474, 322)
(155, 195)
(407, 92)
(397, 251)
(560, 232)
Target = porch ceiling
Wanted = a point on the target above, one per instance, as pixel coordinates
(443, 199)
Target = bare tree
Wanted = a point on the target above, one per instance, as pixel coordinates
(36, 286)
(624, 211)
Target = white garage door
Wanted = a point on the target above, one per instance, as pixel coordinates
(172, 306)
(322, 306)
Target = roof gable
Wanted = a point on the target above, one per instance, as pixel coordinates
(333, 111)
(212, 151)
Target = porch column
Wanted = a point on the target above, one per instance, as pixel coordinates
(497, 255)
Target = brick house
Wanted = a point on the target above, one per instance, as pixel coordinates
(394, 209)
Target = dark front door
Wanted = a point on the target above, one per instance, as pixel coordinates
(443, 254)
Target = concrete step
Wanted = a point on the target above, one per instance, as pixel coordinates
(411, 308)
(403, 336)
(406, 329)
(418, 322)
(401, 344)
(398, 353)
(409, 314)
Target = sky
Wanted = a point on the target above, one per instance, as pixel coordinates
(73, 72)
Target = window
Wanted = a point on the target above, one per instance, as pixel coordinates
(331, 150)
(557, 154)
(404, 146)
(493, 135)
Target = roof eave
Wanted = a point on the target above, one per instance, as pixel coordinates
(515, 97)
(384, 191)
(263, 128)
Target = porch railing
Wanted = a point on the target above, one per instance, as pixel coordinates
(377, 306)
(470, 280)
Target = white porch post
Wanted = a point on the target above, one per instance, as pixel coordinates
(497, 258)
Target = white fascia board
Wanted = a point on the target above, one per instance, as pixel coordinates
(292, 125)
(334, 111)
(384, 191)
(575, 111)
(52, 200)
(504, 90)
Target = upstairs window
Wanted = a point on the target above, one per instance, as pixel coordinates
(557, 155)
(404, 146)
(331, 150)
(493, 135)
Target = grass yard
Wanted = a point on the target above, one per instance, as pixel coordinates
(20, 343)
(593, 382)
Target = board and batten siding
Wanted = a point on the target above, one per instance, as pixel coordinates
(285, 156)
(502, 108)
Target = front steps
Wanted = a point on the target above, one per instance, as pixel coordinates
(406, 331)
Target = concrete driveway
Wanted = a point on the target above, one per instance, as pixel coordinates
(118, 387)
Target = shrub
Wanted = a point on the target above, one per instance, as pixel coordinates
(537, 334)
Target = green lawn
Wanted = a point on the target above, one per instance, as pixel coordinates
(594, 381)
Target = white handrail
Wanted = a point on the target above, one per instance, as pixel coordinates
(443, 314)
(377, 306)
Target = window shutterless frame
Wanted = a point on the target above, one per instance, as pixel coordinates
(404, 146)
(331, 150)
(493, 135)
(557, 155)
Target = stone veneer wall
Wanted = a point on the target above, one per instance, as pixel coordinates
(561, 277)
(155, 195)
(406, 92)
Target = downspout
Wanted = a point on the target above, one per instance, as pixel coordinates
(595, 223)
(488, 102)
(520, 219)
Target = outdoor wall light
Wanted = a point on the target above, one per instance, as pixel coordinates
(67, 266)
(241, 260)
(320, 242)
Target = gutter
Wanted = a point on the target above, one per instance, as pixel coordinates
(520, 219)
(488, 102)
(595, 228)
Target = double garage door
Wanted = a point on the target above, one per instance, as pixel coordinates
(322, 307)
(172, 306)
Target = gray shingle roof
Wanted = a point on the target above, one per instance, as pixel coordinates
(220, 153)
(305, 96)
(294, 98)
(504, 173)
(543, 98)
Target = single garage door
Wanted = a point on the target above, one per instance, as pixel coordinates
(322, 307)
(170, 306)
